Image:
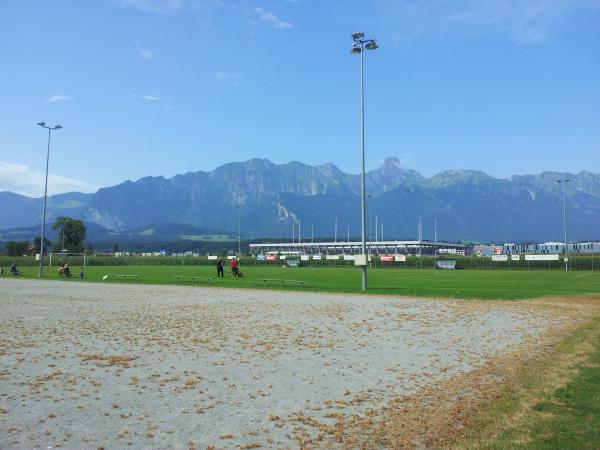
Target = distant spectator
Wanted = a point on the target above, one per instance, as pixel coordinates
(220, 268)
(81, 274)
(13, 269)
(234, 267)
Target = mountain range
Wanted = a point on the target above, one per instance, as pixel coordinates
(276, 200)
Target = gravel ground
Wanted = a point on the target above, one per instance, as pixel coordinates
(86, 365)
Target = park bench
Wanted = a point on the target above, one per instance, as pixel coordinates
(18, 273)
(301, 283)
(194, 278)
(124, 276)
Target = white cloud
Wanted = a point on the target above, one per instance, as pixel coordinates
(145, 53)
(155, 6)
(232, 79)
(174, 6)
(158, 99)
(272, 19)
(149, 97)
(56, 98)
(25, 181)
(526, 22)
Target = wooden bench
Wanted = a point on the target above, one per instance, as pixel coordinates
(124, 276)
(279, 280)
(194, 278)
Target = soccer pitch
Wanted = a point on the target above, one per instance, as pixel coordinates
(469, 284)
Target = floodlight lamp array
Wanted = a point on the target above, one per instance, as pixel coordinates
(55, 127)
(361, 43)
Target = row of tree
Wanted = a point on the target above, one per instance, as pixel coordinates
(71, 233)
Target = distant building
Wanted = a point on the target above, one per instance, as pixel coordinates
(552, 248)
(355, 247)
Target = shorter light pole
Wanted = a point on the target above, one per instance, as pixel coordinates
(564, 181)
(55, 127)
(62, 248)
(239, 206)
(335, 231)
(370, 229)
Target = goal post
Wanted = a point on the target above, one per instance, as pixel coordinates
(61, 258)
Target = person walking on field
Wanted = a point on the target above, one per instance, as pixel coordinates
(220, 268)
(234, 267)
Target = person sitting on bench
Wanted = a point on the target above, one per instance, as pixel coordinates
(13, 269)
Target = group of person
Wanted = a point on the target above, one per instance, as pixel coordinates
(64, 271)
(233, 265)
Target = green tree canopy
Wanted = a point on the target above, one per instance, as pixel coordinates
(16, 248)
(36, 245)
(74, 234)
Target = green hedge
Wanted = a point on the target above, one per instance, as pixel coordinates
(580, 262)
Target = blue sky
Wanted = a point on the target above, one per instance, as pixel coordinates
(160, 87)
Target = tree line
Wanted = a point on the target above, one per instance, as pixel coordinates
(71, 234)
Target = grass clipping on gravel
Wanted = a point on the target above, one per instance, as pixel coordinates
(554, 401)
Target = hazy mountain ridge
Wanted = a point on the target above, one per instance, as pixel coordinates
(164, 232)
(467, 204)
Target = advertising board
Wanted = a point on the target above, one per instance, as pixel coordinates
(360, 260)
(541, 257)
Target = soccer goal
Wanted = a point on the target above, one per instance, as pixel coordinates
(78, 259)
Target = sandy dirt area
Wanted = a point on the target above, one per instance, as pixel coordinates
(87, 365)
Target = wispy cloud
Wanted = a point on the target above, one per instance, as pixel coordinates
(149, 97)
(231, 79)
(56, 98)
(526, 22)
(154, 6)
(157, 99)
(174, 6)
(26, 181)
(145, 53)
(272, 19)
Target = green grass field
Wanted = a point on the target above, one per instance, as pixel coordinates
(484, 284)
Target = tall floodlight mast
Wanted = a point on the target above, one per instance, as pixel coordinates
(50, 129)
(358, 48)
(564, 182)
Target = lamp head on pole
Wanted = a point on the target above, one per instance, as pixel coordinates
(57, 127)
(42, 124)
(372, 45)
(360, 43)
